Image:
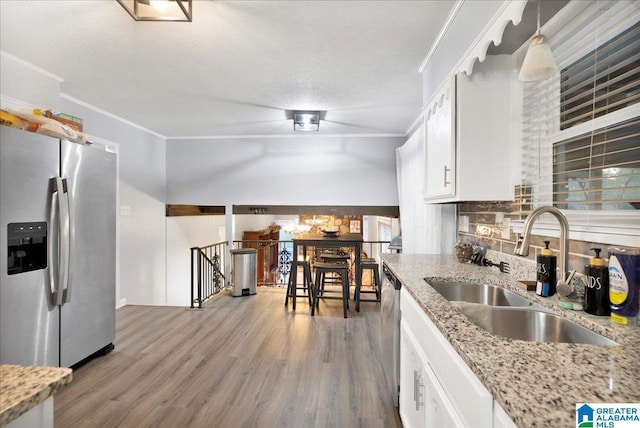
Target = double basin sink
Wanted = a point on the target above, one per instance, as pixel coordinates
(504, 313)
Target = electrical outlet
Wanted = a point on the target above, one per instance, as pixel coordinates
(125, 210)
(463, 223)
(506, 228)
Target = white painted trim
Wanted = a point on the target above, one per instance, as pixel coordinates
(433, 101)
(441, 34)
(31, 66)
(511, 10)
(8, 102)
(111, 115)
(267, 136)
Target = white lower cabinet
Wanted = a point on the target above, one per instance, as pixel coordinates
(500, 418)
(426, 404)
(437, 388)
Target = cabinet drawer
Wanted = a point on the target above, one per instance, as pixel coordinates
(471, 399)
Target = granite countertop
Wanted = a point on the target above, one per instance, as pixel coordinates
(537, 384)
(24, 387)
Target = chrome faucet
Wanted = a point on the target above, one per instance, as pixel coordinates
(522, 246)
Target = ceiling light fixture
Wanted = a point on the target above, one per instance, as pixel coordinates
(158, 10)
(538, 62)
(306, 121)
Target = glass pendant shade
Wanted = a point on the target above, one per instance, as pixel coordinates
(538, 62)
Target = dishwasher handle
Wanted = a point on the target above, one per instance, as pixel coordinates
(389, 276)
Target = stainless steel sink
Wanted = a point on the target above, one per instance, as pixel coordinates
(478, 293)
(529, 324)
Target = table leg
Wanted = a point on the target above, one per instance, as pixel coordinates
(358, 250)
(293, 278)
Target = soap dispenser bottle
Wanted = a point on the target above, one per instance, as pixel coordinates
(546, 276)
(596, 295)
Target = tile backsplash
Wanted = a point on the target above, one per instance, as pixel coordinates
(488, 224)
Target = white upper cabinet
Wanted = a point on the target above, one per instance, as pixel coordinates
(440, 150)
(467, 138)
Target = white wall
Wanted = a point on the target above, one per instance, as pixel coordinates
(26, 83)
(283, 171)
(182, 234)
(242, 222)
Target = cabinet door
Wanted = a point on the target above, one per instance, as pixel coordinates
(412, 377)
(439, 410)
(440, 145)
(500, 417)
(423, 402)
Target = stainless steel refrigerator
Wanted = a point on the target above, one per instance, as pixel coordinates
(57, 250)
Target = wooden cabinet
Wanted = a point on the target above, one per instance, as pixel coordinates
(468, 135)
(266, 242)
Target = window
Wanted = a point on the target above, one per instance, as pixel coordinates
(605, 80)
(600, 170)
(581, 130)
(384, 233)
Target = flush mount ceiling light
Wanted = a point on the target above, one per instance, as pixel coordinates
(538, 62)
(158, 10)
(306, 121)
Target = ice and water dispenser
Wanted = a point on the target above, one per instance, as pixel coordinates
(26, 247)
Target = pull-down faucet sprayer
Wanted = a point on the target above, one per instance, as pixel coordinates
(522, 246)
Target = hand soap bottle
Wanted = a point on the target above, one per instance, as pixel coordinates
(596, 295)
(546, 276)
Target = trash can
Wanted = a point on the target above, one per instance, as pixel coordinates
(244, 273)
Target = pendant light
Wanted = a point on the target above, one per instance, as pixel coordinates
(538, 62)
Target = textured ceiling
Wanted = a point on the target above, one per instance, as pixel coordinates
(239, 66)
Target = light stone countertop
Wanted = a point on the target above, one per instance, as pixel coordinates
(537, 384)
(24, 387)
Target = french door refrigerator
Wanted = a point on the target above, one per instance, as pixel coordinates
(57, 250)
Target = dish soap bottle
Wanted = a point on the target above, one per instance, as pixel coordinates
(546, 276)
(624, 285)
(596, 296)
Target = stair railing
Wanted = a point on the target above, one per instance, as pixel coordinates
(207, 277)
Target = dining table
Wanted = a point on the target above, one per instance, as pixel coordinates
(302, 241)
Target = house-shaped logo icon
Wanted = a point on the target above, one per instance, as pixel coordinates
(584, 416)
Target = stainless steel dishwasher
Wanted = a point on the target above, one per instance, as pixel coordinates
(390, 331)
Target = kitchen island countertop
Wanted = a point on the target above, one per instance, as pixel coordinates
(24, 387)
(537, 384)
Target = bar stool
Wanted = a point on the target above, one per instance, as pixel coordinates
(307, 284)
(369, 264)
(333, 257)
(322, 268)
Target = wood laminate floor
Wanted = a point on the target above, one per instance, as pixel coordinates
(239, 362)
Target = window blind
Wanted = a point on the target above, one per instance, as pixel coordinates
(580, 130)
(384, 233)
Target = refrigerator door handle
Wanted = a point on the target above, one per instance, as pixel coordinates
(63, 233)
(51, 261)
(57, 250)
(70, 239)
